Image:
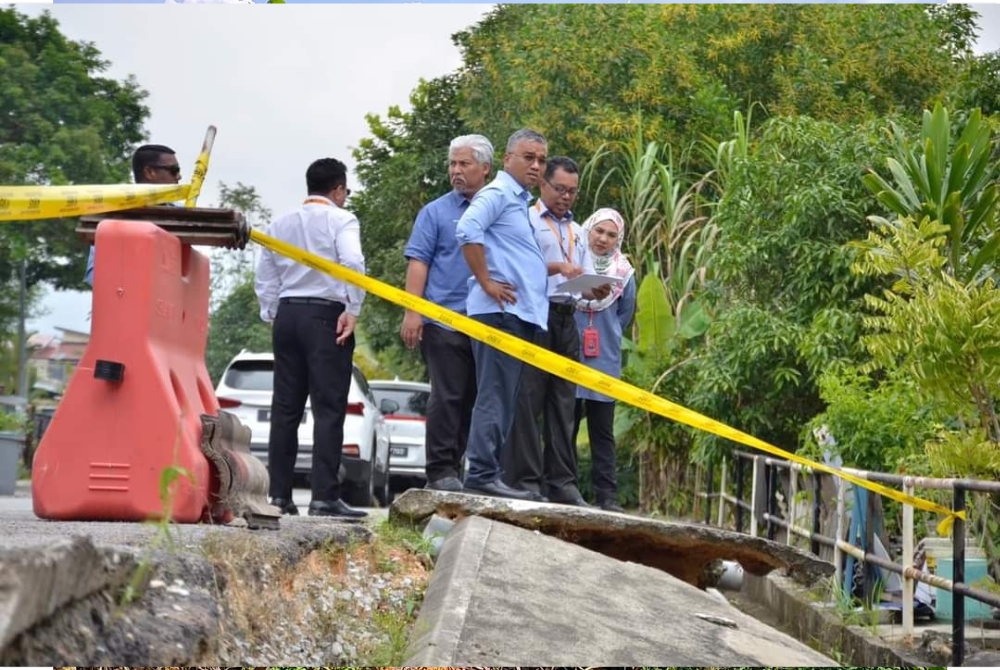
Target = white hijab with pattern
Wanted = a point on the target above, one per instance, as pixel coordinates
(612, 264)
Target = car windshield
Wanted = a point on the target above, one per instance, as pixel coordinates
(251, 376)
(411, 403)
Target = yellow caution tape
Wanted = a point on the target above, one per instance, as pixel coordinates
(24, 203)
(578, 373)
(200, 168)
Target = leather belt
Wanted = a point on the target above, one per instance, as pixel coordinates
(309, 301)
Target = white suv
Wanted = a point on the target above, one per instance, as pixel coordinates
(404, 405)
(246, 389)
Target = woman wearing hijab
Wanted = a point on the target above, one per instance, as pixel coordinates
(601, 324)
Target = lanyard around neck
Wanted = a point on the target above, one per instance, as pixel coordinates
(555, 231)
(316, 201)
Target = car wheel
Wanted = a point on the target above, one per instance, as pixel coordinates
(361, 493)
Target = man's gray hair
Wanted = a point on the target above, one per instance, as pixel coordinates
(482, 149)
(525, 135)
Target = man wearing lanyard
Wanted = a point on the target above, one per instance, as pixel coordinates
(437, 271)
(313, 337)
(507, 292)
(552, 474)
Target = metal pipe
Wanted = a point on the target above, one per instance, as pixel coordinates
(772, 502)
(804, 532)
(708, 495)
(958, 577)
(739, 492)
(722, 494)
(793, 489)
(838, 555)
(907, 563)
(753, 497)
(817, 488)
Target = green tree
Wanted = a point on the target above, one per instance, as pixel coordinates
(235, 325)
(231, 267)
(64, 122)
(686, 67)
(402, 166)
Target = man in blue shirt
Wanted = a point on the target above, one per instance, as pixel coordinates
(437, 271)
(151, 164)
(507, 292)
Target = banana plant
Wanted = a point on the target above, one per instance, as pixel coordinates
(953, 185)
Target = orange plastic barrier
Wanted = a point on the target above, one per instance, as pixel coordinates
(133, 405)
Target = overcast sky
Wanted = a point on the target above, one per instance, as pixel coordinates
(283, 86)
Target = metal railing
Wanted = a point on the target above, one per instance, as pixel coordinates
(840, 546)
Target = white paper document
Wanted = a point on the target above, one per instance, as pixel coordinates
(586, 283)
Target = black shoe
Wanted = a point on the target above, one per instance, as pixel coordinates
(537, 497)
(498, 489)
(334, 508)
(573, 499)
(611, 506)
(286, 506)
(445, 484)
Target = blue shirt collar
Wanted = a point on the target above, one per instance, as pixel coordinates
(518, 190)
(458, 200)
(543, 210)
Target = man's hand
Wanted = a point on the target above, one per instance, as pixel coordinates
(598, 292)
(502, 293)
(570, 271)
(412, 329)
(345, 327)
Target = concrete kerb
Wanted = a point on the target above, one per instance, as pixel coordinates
(505, 596)
(438, 630)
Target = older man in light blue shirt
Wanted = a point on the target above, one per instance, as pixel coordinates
(507, 292)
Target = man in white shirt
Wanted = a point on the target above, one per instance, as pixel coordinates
(313, 337)
(552, 473)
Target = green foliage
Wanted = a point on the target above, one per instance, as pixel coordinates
(235, 325)
(953, 186)
(402, 166)
(65, 122)
(232, 266)
(686, 67)
(786, 303)
(875, 425)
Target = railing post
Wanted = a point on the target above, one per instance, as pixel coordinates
(907, 564)
(793, 478)
(739, 493)
(838, 554)
(817, 488)
(772, 502)
(708, 495)
(958, 576)
(722, 494)
(753, 497)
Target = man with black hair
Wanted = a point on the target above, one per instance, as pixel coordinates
(314, 316)
(151, 164)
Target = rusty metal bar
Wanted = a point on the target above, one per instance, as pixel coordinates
(206, 226)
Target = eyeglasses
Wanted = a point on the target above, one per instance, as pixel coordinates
(532, 158)
(347, 190)
(562, 190)
(172, 169)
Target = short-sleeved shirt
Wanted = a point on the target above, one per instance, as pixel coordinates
(433, 243)
(561, 240)
(497, 218)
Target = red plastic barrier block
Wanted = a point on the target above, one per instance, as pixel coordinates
(115, 433)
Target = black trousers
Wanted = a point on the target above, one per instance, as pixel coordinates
(452, 371)
(526, 465)
(601, 429)
(308, 362)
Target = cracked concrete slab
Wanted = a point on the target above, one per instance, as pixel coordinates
(505, 596)
(685, 550)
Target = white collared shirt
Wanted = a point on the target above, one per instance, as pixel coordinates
(322, 228)
(555, 245)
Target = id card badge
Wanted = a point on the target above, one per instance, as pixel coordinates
(591, 340)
